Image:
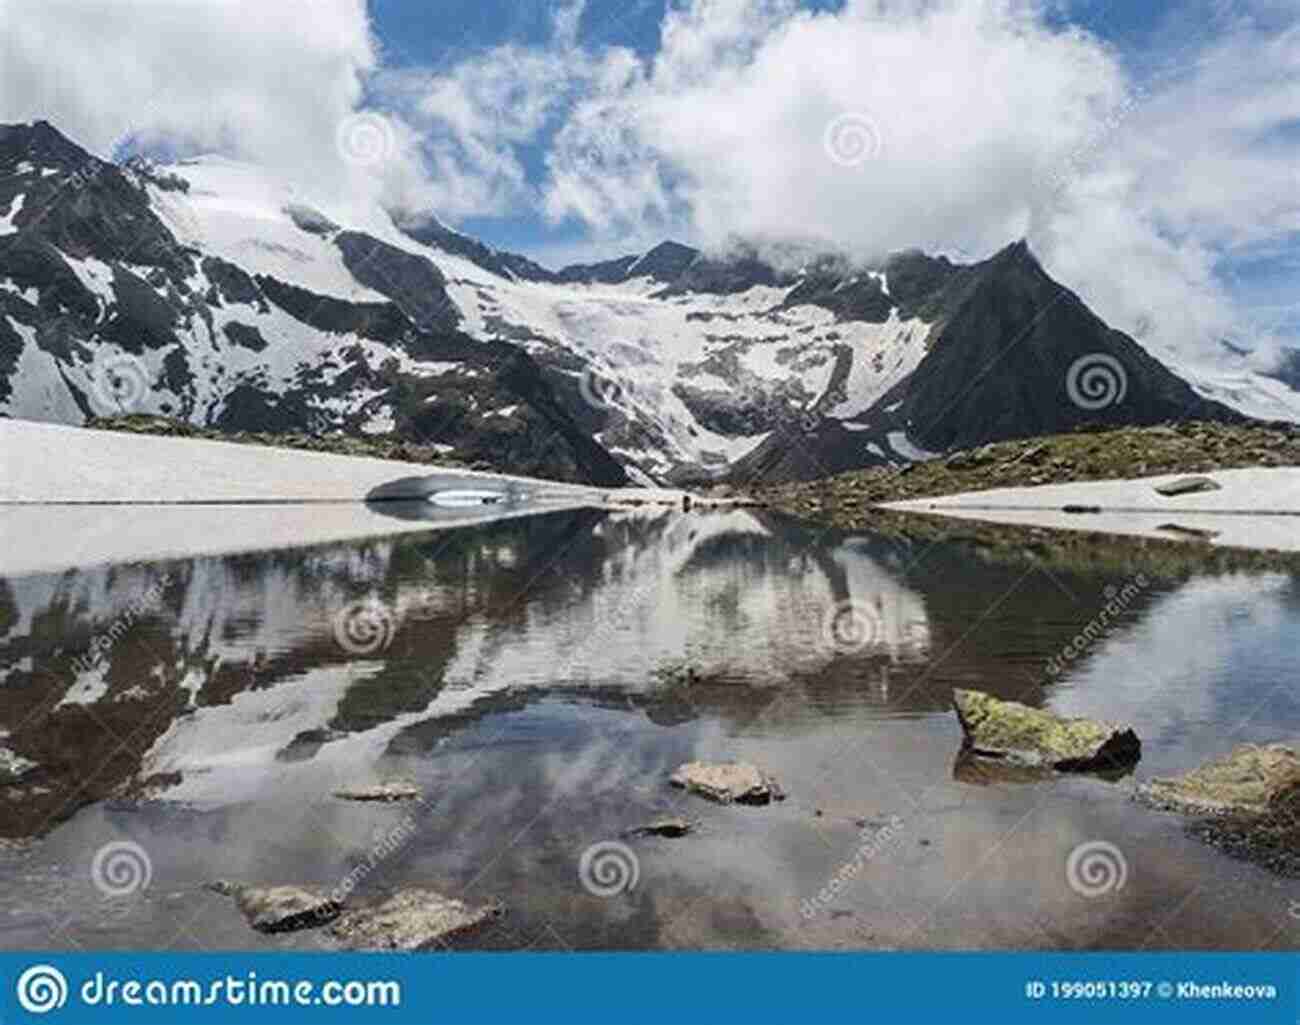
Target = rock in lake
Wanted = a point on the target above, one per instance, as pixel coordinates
(411, 920)
(728, 782)
(670, 826)
(393, 790)
(1244, 781)
(13, 766)
(1187, 486)
(280, 908)
(1033, 737)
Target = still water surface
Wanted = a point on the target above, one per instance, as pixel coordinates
(540, 678)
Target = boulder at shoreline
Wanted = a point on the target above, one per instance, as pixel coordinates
(1244, 781)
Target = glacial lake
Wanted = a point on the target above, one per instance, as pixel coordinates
(540, 678)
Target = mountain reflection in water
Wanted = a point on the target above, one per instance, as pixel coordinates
(540, 678)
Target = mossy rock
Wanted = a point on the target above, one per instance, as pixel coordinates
(1245, 781)
(1016, 733)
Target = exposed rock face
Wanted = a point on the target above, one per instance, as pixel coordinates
(1010, 354)
(1032, 737)
(728, 782)
(411, 920)
(1244, 781)
(393, 790)
(280, 908)
(92, 275)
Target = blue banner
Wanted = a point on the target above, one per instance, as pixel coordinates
(746, 989)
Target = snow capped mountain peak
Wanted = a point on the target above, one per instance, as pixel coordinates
(214, 292)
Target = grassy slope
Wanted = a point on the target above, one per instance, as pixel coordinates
(377, 447)
(847, 498)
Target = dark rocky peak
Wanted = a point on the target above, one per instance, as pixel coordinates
(604, 272)
(42, 145)
(89, 207)
(913, 277)
(412, 282)
(730, 273)
(430, 231)
(666, 262)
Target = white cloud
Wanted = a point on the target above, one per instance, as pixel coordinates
(260, 81)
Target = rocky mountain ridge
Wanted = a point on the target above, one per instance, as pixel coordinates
(208, 293)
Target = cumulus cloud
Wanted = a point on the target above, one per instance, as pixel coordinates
(475, 117)
(254, 80)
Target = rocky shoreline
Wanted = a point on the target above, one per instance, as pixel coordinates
(848, 499)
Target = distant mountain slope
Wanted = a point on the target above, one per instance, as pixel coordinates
(209, 292)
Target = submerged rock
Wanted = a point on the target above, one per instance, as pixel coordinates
(670, 826)
(728, 782)
(393, 790)
(411, 920)
(1187, 486)
(13, 766)
(1033, 737)
(280, 908)
(1245, 781)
